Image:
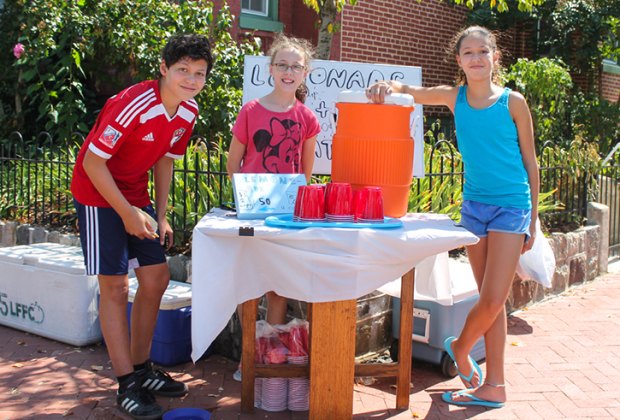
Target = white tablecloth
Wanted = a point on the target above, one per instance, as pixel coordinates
(312, 265)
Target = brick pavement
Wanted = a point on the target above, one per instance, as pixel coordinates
(562, 363)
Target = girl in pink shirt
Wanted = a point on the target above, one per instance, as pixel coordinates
(277, 133)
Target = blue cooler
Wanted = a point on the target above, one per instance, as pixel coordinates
(445, 291)
(172, 340)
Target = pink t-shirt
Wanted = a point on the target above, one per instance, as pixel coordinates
(274, 140)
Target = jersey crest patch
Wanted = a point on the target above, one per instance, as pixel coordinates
(110, 136)
(176, 136)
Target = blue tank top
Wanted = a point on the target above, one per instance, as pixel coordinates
(488, 141)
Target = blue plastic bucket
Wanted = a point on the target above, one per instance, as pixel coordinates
(187, 414)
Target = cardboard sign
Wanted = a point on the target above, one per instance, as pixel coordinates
(260, 195)
(327, 78)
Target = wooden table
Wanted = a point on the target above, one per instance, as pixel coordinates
(332, 366)
(237, 261)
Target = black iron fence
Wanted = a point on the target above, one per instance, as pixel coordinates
(35, 185)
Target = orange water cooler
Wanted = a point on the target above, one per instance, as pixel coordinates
(373, 146)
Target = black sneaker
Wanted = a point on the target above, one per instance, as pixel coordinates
(138, 403)
(160, 382)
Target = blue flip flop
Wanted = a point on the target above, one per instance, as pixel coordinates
(475, 367)
(473, 400)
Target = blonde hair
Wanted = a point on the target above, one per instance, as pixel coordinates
(304, 47)
(491, 39)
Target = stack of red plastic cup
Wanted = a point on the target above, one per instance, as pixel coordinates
(274, 392)
(298, 388)
(311, 207)
(339, 202)
(260, 347)
(369, 205)
(300, 193)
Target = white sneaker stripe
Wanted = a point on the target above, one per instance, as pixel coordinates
(153, 384)
(159, 385)
(129, 404)
(132, 406)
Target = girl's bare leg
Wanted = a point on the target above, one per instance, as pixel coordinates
(276, 308)
(493, 260)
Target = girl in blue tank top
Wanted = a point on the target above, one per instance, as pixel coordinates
(500, 199)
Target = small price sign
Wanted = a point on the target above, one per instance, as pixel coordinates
(260, 195)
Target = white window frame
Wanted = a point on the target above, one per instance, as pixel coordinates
(257, 12)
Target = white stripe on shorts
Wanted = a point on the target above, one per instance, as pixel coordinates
(92, 237)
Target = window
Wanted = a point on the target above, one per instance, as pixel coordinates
(255, 7)
(260, 15)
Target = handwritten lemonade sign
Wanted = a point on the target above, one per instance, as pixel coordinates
(324, 82)
(260, 195)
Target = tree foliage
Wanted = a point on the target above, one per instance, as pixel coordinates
(561, 114)
(78, 53)
(546, 85)
(581, 32)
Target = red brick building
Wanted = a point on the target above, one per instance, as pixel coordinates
(401, 32)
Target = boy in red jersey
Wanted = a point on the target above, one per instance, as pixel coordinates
(145, 126)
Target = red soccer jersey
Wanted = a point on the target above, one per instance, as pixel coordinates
(133, 131)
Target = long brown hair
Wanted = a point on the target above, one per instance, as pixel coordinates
(304, 47)
(491, 38)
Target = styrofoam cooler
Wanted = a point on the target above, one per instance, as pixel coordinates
(44, 290)
(445, 291)
(172, 339)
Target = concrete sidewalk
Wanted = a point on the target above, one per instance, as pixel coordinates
(562, 362)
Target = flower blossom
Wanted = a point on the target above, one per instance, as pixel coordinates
(18, 50)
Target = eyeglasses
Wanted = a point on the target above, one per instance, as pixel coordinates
(295, 68)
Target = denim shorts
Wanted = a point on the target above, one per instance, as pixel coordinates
(108, 249)
(480, 218)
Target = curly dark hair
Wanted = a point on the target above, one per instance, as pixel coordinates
(194, 46)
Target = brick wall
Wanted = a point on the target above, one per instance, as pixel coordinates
(401, 32)
(303, 24)
(405, 32)
(610, 86)
(297, 18)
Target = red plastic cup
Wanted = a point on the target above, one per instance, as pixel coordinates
(339, 201)
(300, 192)
(312, 205)
(369, 205)
(359, 197)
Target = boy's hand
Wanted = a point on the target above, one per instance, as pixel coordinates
(166, 238)
(140, 224)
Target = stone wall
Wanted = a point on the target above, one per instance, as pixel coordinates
(580, 256)
(13, 233)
